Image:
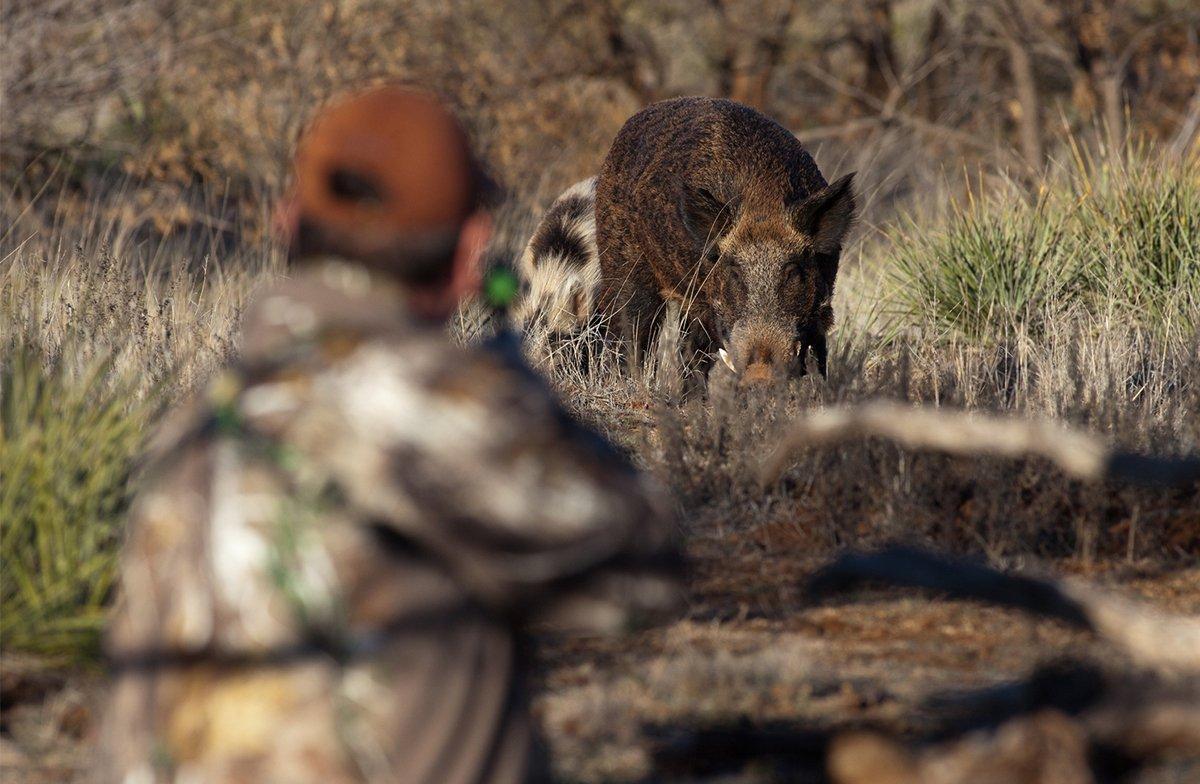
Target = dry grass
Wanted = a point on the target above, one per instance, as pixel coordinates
(162, 310)
(1109, 378)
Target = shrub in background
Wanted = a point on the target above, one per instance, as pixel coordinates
(1138, 227)
(995, 264)
(100, 325)
(1115, 233)
(67, 446)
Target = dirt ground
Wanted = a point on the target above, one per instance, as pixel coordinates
(756, 665)
(752, 670)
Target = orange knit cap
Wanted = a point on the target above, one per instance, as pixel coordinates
(385, 177)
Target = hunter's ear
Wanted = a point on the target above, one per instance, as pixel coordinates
(827, 215)
(706, 216)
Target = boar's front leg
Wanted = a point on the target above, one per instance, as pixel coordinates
(638, 319)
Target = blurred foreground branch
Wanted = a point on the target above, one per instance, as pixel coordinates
(1067, 722)
(1074, 720)
(1150, 638)
(1079, 454)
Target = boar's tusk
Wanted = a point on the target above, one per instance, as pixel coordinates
(725, 358)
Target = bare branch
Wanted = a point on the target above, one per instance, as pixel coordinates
(1187, 127)
(890, 113)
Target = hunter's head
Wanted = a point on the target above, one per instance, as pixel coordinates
(386, 178)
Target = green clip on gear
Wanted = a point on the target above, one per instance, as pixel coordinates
(500, 287)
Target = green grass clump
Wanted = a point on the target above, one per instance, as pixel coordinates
(1138, 225)
(1110, 234)
(994, 265)
(67, 446)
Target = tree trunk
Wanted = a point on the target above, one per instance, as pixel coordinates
(930, 88)
(873, 36)
(1025, 85)
(1109, 84)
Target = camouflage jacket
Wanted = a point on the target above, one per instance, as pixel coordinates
(338, 545)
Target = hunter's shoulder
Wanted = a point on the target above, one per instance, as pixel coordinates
(425, 383)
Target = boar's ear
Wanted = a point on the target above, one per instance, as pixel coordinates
(705, 216)
(827, 214)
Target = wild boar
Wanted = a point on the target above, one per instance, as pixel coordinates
(560, 267)
(716, 206)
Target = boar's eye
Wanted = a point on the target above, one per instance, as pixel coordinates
(735, 278)
(793, 271)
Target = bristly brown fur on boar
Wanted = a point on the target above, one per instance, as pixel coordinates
(714, 205)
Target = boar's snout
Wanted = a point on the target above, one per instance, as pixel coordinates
(761, 352)
(762, 364)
